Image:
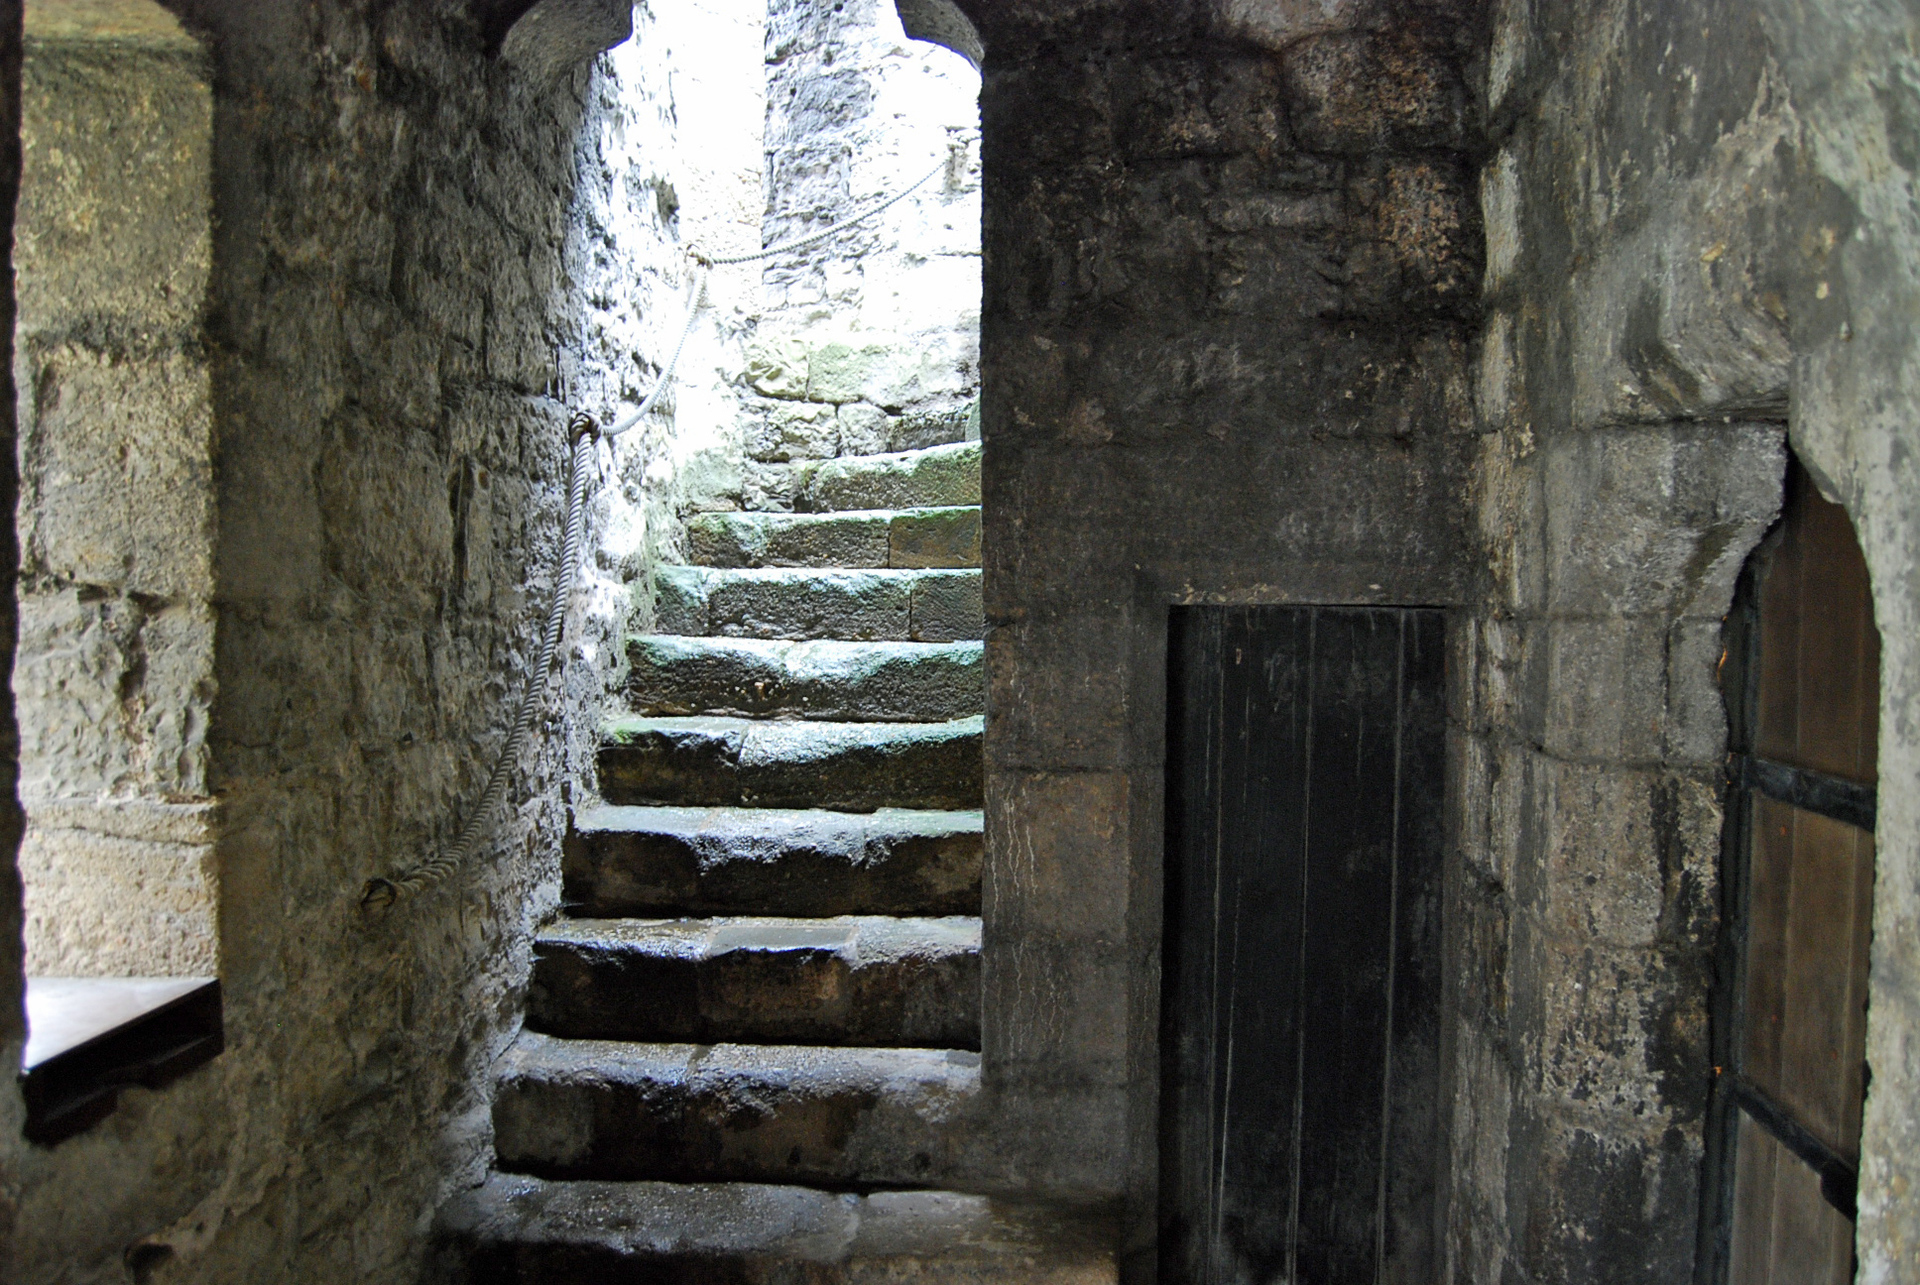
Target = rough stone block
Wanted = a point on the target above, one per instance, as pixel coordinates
(1625, 857)
(1563, 1177)
(680, 597)
(850, 766)
(120, 891)
(1696, 703)
(1061, 859)
(822, 679)
(112, 698)
(865, 981)
(943, 537)
(114, 221)
(1481, 1108)
(1607, 689)
(1510, 675)
(917, 429)
(935, 477)
(1062, 1009)
(946, 606)
(866, 430)
(890, 371)
(764, 487)
(778, 368)
(1057, 690)
(1621, 1035)
(719, 861)
(1470, 789)
(555, 37)
(1657, 519)
(117, 484)
(783, 603)
(844, 371)
(733, 1113)
(1212, 107)
(1365, 92)
(1483, 934)
(383, 504)
(789, 540)
(780, 433)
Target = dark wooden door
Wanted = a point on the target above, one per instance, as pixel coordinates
(1301, 985)
(1803, 679)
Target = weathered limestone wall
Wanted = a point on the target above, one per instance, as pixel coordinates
(423, 258)
(1231, 279)
(1700, 245)
(869, 341)
(115, 671)
(13, 1029)
(686, 106)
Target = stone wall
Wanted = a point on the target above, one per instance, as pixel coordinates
(682, 154)
(1235, 349)
(1230, 286)
(1231, 280)
(1700, 242)
(13, 1029)
(868, 341)
(115, 671)
(424, 257)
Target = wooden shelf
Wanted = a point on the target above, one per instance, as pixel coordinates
(90, 1037)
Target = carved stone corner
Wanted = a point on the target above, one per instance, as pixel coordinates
(554, 37)
(941, 22)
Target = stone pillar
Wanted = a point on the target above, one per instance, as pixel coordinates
(1230, 283)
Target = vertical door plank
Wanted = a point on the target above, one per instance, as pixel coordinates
(1300, 994)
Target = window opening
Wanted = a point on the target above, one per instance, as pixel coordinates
(1803, 666)
(114, 675)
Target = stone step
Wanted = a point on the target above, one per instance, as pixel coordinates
(734, 1112)
(851, 767)
(798, 603)
(855, 980)
(899, 538)
(853, 682)
(730, 861)
(937, 476)
(516, 1230)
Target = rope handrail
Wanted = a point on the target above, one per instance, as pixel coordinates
(382, 893)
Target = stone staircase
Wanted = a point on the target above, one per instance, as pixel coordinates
(752, 1044)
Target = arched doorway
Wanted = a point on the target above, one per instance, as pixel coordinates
(1802, 679)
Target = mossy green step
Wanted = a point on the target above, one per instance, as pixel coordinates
(867, 980)
(881, 604)
(732, 1112)
(868, 682)
(791, 764)
(791, 861)
(897, 538)
(937, 476)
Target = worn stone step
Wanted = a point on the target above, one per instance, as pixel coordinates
(852, 767)
(734, 1112)
(517, 1230)
(850, 980)
(798, 603)
(731, 861)
(898, 538)
(854, 682)
(936, 476)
